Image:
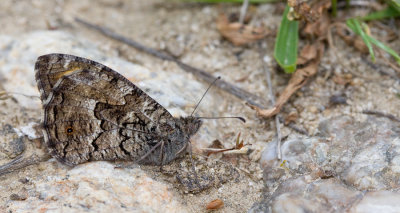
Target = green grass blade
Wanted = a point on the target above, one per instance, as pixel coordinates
(334, 7)
(355, 25)
(385, 48)
(395, 4)
(285, 51)
(389, 12)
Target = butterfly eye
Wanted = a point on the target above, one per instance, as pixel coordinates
(69, 130)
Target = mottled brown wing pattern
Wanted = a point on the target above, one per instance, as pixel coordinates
(93, 113)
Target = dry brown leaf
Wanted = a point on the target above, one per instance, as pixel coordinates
(308, 53)
(291, 117)
(343, 79)
(319, 27)
(298, 80)
(351, 40)
(218, 147)
(239, 34)
(301, 11)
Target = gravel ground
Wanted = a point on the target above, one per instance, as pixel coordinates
(186, 30)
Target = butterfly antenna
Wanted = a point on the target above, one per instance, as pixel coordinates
(219, 77)
(235, 117)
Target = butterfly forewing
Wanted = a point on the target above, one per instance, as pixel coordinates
(93, 113)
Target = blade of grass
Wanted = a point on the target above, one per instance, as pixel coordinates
(347, 4)
(395, 4)
(385, 48)
(388, 12)
(334, 7)
(285, 51)
(355, 25)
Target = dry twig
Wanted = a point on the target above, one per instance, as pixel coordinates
(243, 11)
(381, 114)
(227, 87)
(271, 94)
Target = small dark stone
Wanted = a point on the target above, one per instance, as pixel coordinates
(24, 180)
(21, 195)
(338, 99)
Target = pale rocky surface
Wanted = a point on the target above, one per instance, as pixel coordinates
(96, 187)
(334, 171)
(350, 162)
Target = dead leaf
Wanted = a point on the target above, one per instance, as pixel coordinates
(218, 147)
(351, 39)
(240, 34)
(301, 11)
(308, 53)
(239, 144)
(234, 17)
(298, 80)
(291, 117)
(320, 26)
(343, 79)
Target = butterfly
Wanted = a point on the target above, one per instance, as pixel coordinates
(91, 113)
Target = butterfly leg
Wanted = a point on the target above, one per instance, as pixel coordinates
(149, 152)
(183, 148)
(161, 156)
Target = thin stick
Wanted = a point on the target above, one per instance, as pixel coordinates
(271, 94)
(243, 11)
(382, 114)
(227, 87)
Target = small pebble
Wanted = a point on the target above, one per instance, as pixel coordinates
(215, 204)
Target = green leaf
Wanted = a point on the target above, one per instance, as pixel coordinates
(285, 51)
(355, 25)
(389, 12)
(395, 4)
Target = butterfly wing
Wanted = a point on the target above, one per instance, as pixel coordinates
(92, 112)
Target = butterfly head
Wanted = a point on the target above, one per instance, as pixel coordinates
(190, 125)
(178, 137)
